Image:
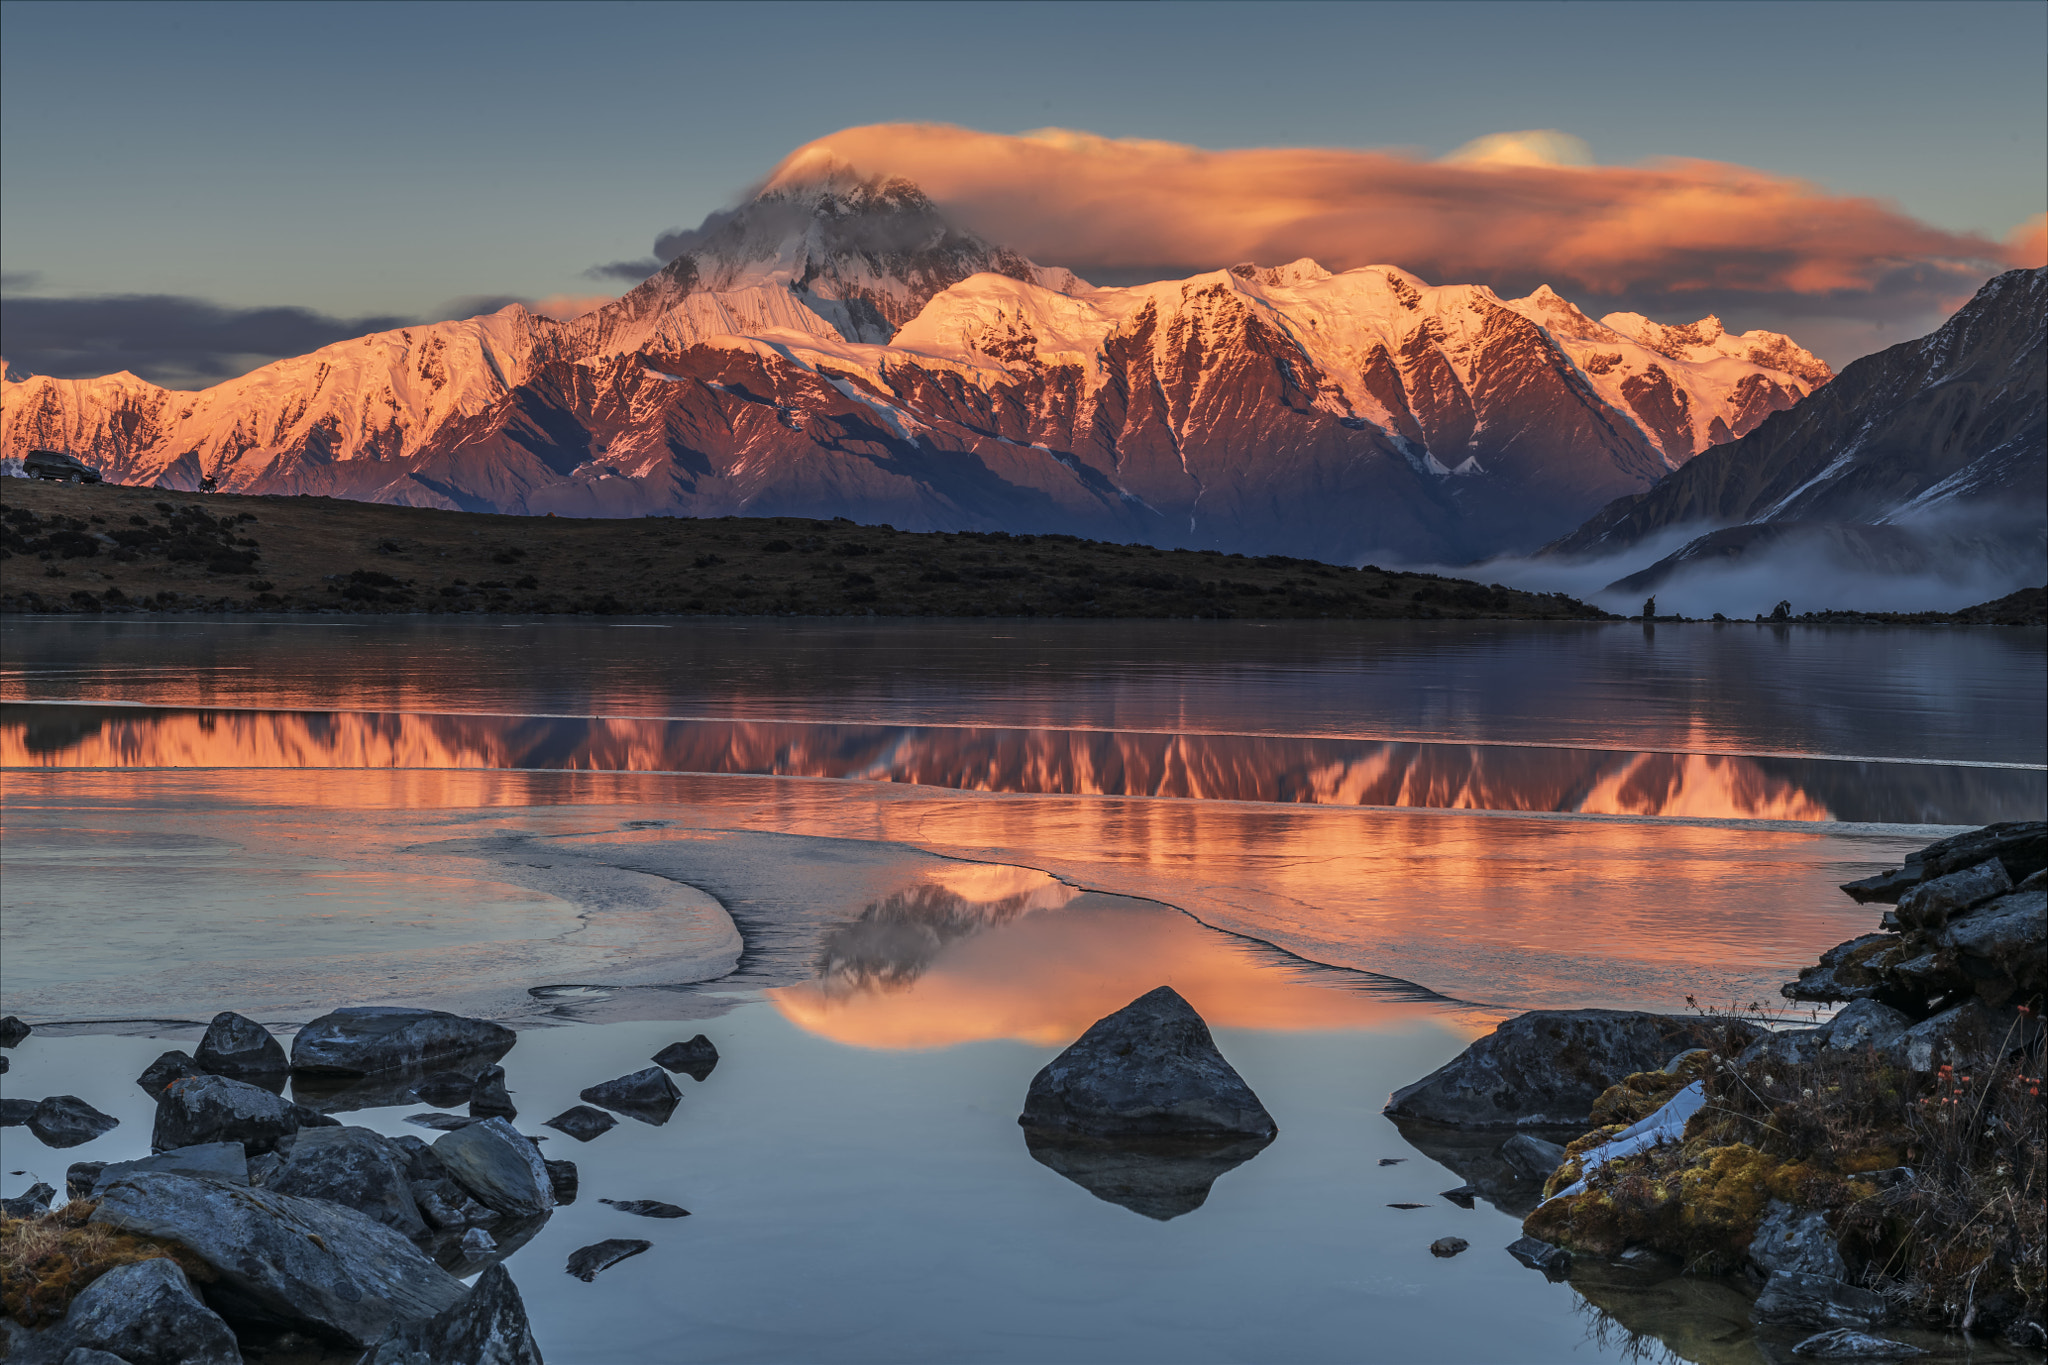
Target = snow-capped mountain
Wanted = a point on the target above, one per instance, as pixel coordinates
(836, 348)
(1934, 439)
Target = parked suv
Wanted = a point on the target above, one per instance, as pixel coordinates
(55, 464)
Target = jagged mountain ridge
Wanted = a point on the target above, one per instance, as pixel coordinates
(836, 348)
(1954, 424)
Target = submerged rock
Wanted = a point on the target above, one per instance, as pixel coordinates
(1532, 1157)
(147, 1314)
(488, 1327)
(68, 1121)
(563, 1180)
(219, 1109)
(499, 1165)
(1793, 1299)
(582, 1123)
(303, 1264)
(356, 1168)
(445, 1089)
(159, 1074)
(363, 1040)
(695, 1058)
(446, 1123)
(14, 1113)
(1546, 1067)
(240, 1047)
(1150, 1069)
(1158, 1177)
(647, 1095)
(1447, 1247)
(647, 1208)
(586, 1262)
(1554, 1261)
(1846, 1343)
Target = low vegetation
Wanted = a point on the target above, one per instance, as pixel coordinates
(98, 549)
(46, 1262)
(1934, 1182)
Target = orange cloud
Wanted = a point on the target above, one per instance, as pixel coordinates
(2027, 244)
(1512, 207)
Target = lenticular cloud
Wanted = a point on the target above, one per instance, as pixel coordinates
(1508, 209)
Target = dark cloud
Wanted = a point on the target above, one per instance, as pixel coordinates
(633, 271)
(165, 338)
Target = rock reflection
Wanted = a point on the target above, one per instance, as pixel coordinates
(1161, 1178)
(1260, 768)
(895, 940)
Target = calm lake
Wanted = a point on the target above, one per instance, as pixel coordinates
(891, 868)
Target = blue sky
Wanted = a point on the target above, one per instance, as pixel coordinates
(384, 159)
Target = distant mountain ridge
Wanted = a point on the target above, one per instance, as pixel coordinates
(1923, 453)
(835, 347)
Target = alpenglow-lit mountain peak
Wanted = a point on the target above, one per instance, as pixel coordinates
(836, 347)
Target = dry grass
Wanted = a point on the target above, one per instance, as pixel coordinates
(46, 1262)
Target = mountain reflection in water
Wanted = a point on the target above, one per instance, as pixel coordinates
(1254, 768)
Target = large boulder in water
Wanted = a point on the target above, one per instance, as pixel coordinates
(364, 1040)
(220, 1109)
(281, 1261)
(240, 1047)
(1545, 1068)
(499, 1165)
(67, 1121)
(1149, 1070)
(487, 1328)
(355, 1167)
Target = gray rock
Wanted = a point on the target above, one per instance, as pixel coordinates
(695, 1058)
(14, 1113)
(147, 1314)
(1846, 1343)
(1150, 1069)
(647, 1208)
(499, 1165)
(86, 1355)
(1554, 1261)
(586, 1262)
(220, 1109)
(261, 1168)
(225, 1162)
(303, 1264)
(356, 1168)
(489, 1327)
(1842, 972)
(313, 1118)
(582, 1123)
(366, 1039)
(1934, 903)
(1886, 887)
(2003, 944)
(2022, 845)
(1792, 1299)
(1532, 1157)
(1447, 1247)
(80, 1176)
(240, 1047)
(1787, 1047)
(476, 1242)
(442, 1202)
(1866, 1024)
(1799, 1241)
(1545, 1067)
(12, 1031)
(33, 1202)
(647, 1095)
(562, 1178)
(172, 1066)
(67, 1121)
(489, 1098)
(1956, 1037)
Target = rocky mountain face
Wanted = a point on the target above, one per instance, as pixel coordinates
(836, 348)
(1903, 453)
